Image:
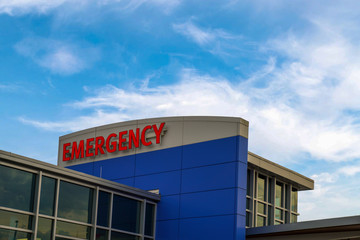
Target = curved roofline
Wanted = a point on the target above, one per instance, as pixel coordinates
(162, 119)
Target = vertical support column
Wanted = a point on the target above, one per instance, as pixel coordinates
(253, 200)
(142, 219)
(94, 216)
(154, 226)
(56, 206)
(37, 204)
(110, 214)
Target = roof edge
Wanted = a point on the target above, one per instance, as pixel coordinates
(304, 182)
(160, 119)
(78, 176)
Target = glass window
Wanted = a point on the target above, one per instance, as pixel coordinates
(72, 230)
(16, 220)
(13, 235)
(293, 218)
(287, 196)
(261, 208)
(248, 183)
(103, 209)
(260, 221)
(248, 203)
(44, 229)
(149, 219)
(279, 199)
(126, 214)
(101, 234)
(17, 188)
(75, 202)
(123, 236)
(278, 214)
(261, 187)
(270, 215)
(248, 219)
(47, 198)
(270, 191)
(277, 222)
(294, 200)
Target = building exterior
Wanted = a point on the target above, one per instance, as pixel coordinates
(45, 202)
(177, 178)
(272, 192)
(200, 167)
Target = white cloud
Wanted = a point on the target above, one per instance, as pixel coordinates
(277, 129)
(325, 177)
(57, 56)
(350, 170)
(20, 7)
(216, 41)
(335, 195)
(305, 103)
(193, 32)
(14, 7)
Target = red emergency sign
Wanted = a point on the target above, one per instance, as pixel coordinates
(113, 142)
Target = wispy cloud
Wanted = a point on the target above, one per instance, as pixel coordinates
(303, 104)
(20, 7)
(275, 123)
(25, 6)
(339, 183)
(58, 56)
(8, 87)
(216, 41)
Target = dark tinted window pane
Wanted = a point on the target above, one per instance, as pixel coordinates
(17, 220)
(101, 234)
(126, 214)
(47, 198)
(72, 230)
(123, 236)
(270, 215)
(13, 235)
(270, 191)
(75, 202)
(248, 183)
(17, 188)
(149, 219)
(248, 203)
(44, 229)
(103, 209)
(248, 219)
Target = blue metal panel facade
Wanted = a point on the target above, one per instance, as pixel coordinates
(202, 186)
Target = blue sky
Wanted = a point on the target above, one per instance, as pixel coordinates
(291, 68)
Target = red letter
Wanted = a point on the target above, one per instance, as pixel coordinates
(113, 144)
(143, 140)
(134, 139)
(158, 131)
(99, 146)
(89, 147)
(76, 151)
(65, 151)
(121, 140)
